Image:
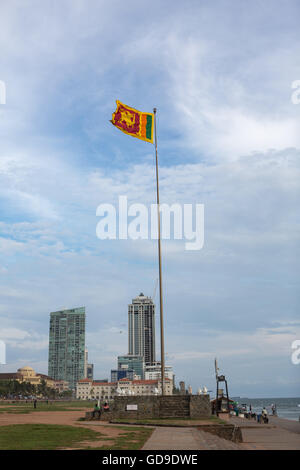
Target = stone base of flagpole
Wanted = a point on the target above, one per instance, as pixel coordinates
(159, 407)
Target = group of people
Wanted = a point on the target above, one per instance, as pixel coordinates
(259, 417)
(263, 417)
(97, 409)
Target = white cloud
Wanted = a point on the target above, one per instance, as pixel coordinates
(8, 246)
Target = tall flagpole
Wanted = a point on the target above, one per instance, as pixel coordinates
(162, 343)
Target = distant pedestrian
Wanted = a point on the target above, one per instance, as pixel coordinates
(264, 414)
(34, 404)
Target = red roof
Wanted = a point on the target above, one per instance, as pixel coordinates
(148, 382)
(44, 376)
(143, 382)
(104, 383)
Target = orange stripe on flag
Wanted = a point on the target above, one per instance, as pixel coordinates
(143, 125)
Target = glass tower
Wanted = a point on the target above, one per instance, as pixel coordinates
(67, 345)
(141, 328)
(132, 362)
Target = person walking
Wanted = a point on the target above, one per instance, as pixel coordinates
(34, 404)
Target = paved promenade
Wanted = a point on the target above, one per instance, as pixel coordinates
(172, 438)
(279, 434)
(289, 425)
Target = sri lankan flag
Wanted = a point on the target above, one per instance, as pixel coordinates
(133, 122)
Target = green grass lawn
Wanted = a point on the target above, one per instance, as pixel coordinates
(50, 437)
(42, 436)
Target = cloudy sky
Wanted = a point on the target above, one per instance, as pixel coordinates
(220, 74)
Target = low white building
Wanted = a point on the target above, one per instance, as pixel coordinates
(86, 389)
(153, 371)
(61, 386)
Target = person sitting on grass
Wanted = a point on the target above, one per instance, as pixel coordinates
(106, 406)
(97, 411)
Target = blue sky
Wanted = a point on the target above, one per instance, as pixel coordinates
(220, 74)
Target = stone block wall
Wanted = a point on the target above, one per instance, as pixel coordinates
(188, 406)
(200, 406)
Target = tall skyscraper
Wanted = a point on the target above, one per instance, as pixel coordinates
(141, 328)
(67, 345)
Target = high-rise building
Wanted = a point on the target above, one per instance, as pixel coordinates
(67, 345)
(86, 360)
(141, 328)
(90, 371)
(118, 374)
(88, 368)
(132, 362)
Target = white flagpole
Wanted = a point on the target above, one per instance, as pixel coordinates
(162, 346)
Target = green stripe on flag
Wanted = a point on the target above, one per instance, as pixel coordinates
(149, 127)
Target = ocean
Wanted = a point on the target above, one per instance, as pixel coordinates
(288, 408)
